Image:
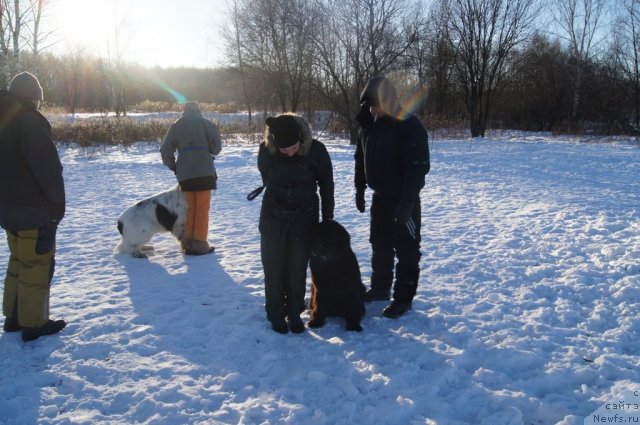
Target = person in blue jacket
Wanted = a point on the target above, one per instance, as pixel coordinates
(392, 158)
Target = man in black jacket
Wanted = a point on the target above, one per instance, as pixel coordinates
(392, 158)
(32, 203)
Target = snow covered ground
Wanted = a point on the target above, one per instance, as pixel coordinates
(527, 311)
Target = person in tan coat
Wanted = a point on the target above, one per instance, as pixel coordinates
(197, 141)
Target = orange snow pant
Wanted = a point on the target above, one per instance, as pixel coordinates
(196, 226)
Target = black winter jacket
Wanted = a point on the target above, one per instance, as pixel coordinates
(291, 183)
(31, 183)
(392, 157)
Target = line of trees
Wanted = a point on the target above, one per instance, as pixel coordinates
(567, 65)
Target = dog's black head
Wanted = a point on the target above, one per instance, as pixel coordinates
(329, 240)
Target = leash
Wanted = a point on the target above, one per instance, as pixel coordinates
(326, 126)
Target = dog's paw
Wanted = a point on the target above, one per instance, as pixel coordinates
(139, 254)
(146, 248)
(354, 327)
(316, 322)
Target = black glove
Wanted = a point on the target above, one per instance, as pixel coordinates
(364, 117)
(254, 193)
(403, 213)
(360, 200)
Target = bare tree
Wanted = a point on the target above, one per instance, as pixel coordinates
(356, 40)
(435, 60)
(20, 25)
(539, 92)
(483, 33)
(103, 88)
(39, 39)
(12, 22)
(627, 50)
(16, 27)
(5, 70)
(296, 55)
(235, 49)
(116, 59)
(274, 39)
(71, 79)
(579, 23)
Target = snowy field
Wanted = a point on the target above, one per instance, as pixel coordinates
(527, 310)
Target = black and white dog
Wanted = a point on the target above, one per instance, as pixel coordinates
(163, 212)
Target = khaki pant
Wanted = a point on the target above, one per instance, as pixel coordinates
(197, 224)
(29, 274)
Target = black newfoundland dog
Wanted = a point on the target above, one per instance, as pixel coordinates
(336, 284)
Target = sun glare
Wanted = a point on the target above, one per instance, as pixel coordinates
(85, 24)
(149, 32)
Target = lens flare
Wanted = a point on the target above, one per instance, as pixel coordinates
(408, 106)
(179, 97)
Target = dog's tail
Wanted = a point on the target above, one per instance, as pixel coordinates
(120, 227)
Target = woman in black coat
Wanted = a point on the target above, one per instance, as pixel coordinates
(293, 166)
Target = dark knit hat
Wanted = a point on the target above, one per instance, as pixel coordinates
(191, 107)
(26, 86)
(379, 91)
(285, 130)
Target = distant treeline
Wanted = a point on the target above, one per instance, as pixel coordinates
(484, 63)
(88, 84)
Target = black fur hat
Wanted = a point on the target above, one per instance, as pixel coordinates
(285, 130)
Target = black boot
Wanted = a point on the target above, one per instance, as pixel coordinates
(296, 325)
(377, 295)
(280, 326)
(396, 309)
(11, 325)
(49, 328)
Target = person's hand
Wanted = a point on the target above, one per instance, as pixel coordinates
(360, 200)
(403, 213)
